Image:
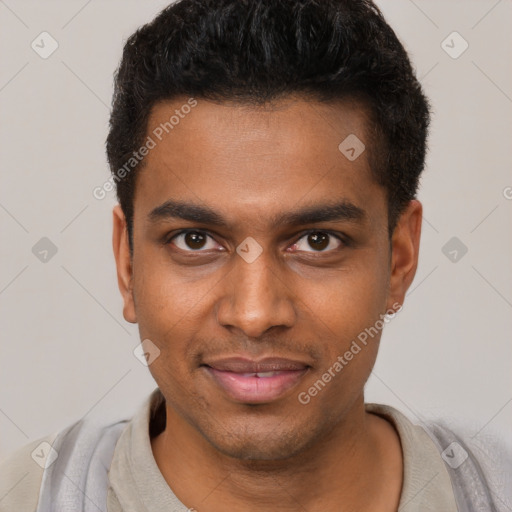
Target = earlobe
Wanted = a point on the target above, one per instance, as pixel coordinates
(121, 249)
(405, 245)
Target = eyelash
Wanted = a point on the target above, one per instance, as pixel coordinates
(345, 241)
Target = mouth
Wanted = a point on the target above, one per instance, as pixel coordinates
(256, 382)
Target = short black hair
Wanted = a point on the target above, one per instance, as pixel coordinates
(257, 51)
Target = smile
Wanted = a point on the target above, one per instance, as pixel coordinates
(252, 382)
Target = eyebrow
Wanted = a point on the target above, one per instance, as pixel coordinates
(343, 210)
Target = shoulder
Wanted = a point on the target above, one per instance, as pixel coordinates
(30, 476)
(477, 459)
(21, 474)
(475, 454)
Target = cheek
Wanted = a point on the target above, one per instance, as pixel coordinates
(168, 316)
(163, 295)
(349, 300)
(346, 314)
(346, 310)
(168, 309)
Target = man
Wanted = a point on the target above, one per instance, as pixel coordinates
(266, 155)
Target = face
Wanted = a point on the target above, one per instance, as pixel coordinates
(261, 253)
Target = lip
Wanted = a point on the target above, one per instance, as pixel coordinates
(242, 380)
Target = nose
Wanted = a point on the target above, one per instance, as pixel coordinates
(256, 297)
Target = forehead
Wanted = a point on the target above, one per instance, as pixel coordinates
(251, 162)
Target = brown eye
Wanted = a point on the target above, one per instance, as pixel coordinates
(194, 240)
(318, 241)
(191, 241)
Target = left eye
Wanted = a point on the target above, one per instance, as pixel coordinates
(319, 241)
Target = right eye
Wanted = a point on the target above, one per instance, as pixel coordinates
(191, 240)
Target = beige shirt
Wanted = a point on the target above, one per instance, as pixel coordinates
(136, 484)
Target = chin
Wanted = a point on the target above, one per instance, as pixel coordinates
(272, 444)
(265, 450)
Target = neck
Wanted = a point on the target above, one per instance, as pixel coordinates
(358, 465)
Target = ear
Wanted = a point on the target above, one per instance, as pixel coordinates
(405, 244)
(123, 263)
